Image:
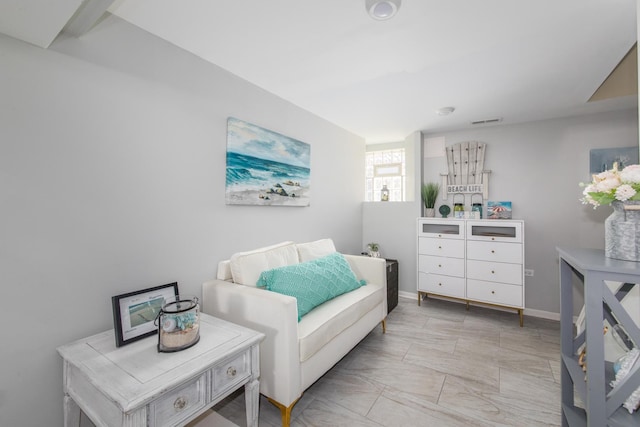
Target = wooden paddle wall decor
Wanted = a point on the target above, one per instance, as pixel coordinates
(466, 173)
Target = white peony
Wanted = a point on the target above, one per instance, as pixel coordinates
(608, 184)
(625, 192)
(631, 174)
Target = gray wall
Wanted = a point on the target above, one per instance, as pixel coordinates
(112, 179)
(538, 166)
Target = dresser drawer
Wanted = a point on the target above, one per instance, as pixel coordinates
(441, 265)
(441, 247)
(442, 229)
(495, 271)
(179, 404)
(443, 285)
(231, 372)
(495, 231)
(495, 293)
(495, 251)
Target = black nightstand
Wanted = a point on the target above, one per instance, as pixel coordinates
(392, 284)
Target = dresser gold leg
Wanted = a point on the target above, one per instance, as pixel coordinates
(384, 326)
(521, 313)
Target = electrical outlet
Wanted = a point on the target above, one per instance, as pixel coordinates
(528, 272)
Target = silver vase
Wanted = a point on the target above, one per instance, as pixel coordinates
(622, 231)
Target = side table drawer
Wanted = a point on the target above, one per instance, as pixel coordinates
(231, 372)
(179, 404)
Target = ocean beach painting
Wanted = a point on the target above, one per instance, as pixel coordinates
(266, 168)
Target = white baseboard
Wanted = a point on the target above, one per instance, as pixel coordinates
(541, 314)
(527, 311)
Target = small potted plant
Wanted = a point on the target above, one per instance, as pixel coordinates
(373, 250)
(430, 192)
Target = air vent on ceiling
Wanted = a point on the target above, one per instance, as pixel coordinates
(487, 121)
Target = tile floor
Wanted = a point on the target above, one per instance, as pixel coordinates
(438, 365)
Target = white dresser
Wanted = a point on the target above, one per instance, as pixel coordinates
(478, 261)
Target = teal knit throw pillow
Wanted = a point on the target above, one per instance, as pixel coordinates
(313, 282)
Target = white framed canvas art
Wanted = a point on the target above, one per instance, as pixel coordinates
(266, 168)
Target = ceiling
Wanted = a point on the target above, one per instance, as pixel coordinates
(515, 60)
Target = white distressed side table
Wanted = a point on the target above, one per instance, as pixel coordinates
(135, 385)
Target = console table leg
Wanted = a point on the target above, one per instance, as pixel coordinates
(71, 412)
(252, 402)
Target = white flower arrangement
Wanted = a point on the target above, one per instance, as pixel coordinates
(612, 185)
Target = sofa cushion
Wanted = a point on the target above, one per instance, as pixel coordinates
(247, 266)
(312, 250)
(313, 282)
(224, 270)
(326, 322)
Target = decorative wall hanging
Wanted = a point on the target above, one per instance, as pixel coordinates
(466, 174)
(602, 159)
(265, 167)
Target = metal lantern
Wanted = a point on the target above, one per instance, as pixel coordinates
(384, 193)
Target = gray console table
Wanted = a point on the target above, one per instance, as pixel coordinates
(602, 403)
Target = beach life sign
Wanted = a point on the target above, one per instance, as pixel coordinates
(465, 188)
(265, 168)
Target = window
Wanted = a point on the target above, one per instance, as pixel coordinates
(385, 167)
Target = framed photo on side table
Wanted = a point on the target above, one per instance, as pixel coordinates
(134, 313)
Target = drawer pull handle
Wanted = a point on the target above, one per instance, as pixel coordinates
(439, 265)
(493, 292)
(493, 272)
(439, 284)
(180, 403)
(493, 238)
(492, 251)
(439, 247)
(231, 372)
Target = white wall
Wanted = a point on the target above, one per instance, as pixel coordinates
(538, 166)
(112, 179)
(393, 224)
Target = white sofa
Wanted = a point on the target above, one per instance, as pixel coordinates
(295, 354)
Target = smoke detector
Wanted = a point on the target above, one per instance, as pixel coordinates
(382, 9)
(445, 111)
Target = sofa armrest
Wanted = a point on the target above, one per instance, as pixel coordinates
(274, 315)
(373, 270)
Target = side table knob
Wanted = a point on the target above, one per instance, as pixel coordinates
(180, 403)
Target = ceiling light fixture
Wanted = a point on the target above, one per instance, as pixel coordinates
(445, 111)
(382, 9)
